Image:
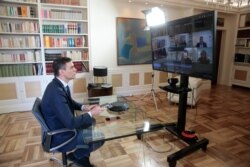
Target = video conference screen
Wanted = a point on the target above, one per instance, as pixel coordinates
(186, 46)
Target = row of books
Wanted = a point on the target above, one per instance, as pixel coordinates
(33, 1)
(80, 67)
(21, 70)
(66, 2)
(69, 28)
(62, 14)
(243, 43)
(50, 41)
(19, 27)
(74, 55)
(19, 42)
(21, 56)
(18, 11)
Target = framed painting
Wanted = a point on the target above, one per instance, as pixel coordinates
(133, 42)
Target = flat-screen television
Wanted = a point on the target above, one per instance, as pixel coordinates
(186, 46)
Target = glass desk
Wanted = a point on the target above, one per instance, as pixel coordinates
(134, 121)
(121, 124)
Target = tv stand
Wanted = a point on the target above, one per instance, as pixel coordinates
(177, 128)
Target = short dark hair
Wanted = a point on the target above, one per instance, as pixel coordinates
(59, 63)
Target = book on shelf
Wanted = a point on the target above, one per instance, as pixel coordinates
(19, 11)
(24, 11)
(78, 66)
(66, 2)
(85, 55)
(19, 42)
(49, 69)
(85, 66)
(20, 56)
(75, 55)
(61, 14)
(50, 41)
(248, 43)
(20, 70)
(19, 27)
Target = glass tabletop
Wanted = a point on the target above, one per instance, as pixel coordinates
(119, 124)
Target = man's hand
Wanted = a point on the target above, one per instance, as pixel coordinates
(89, 107)
(96, 110)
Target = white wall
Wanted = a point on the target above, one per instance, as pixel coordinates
(103, 15)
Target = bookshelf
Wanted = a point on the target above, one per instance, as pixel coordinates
(20, 49)
(32, 34)
(241, 67)
(64, 28)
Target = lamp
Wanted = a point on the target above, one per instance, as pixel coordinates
(100, 74)
(154, 17)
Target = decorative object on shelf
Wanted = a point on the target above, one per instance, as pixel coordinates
(133, 43)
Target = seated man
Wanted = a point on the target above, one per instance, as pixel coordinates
(203, 59)
(58, 111)
(185, 59)
(201, 43)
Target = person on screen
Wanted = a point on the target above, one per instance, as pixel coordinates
(182, 42)
(201, 43)
(185, 59)
(203, 59)
(58, 109)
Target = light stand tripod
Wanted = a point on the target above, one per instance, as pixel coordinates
(152, 93)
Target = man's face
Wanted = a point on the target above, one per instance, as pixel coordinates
(69, 72)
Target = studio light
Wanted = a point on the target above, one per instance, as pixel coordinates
(154, 16)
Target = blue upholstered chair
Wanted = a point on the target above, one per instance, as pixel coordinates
(47, 135)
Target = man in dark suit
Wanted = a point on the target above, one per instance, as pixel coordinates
(58, 111)
(201, 44)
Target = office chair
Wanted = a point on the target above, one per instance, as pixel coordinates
(47, 135)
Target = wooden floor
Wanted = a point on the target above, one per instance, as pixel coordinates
(222, 115)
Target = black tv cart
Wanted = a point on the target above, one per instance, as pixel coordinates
(177, 128)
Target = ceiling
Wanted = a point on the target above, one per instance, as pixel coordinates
(224, 5)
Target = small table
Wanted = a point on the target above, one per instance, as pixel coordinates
(95, 90)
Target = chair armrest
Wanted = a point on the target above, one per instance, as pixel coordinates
(52, 133)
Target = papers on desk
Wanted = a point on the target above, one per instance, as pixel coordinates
(106, 85)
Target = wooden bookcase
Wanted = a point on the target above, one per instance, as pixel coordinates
(241, 67)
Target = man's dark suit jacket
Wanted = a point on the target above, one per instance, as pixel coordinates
(199, 45)
(58, 111)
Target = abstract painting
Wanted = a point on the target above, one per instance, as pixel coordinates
(133, 42)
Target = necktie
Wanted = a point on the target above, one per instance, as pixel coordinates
(68, 91)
